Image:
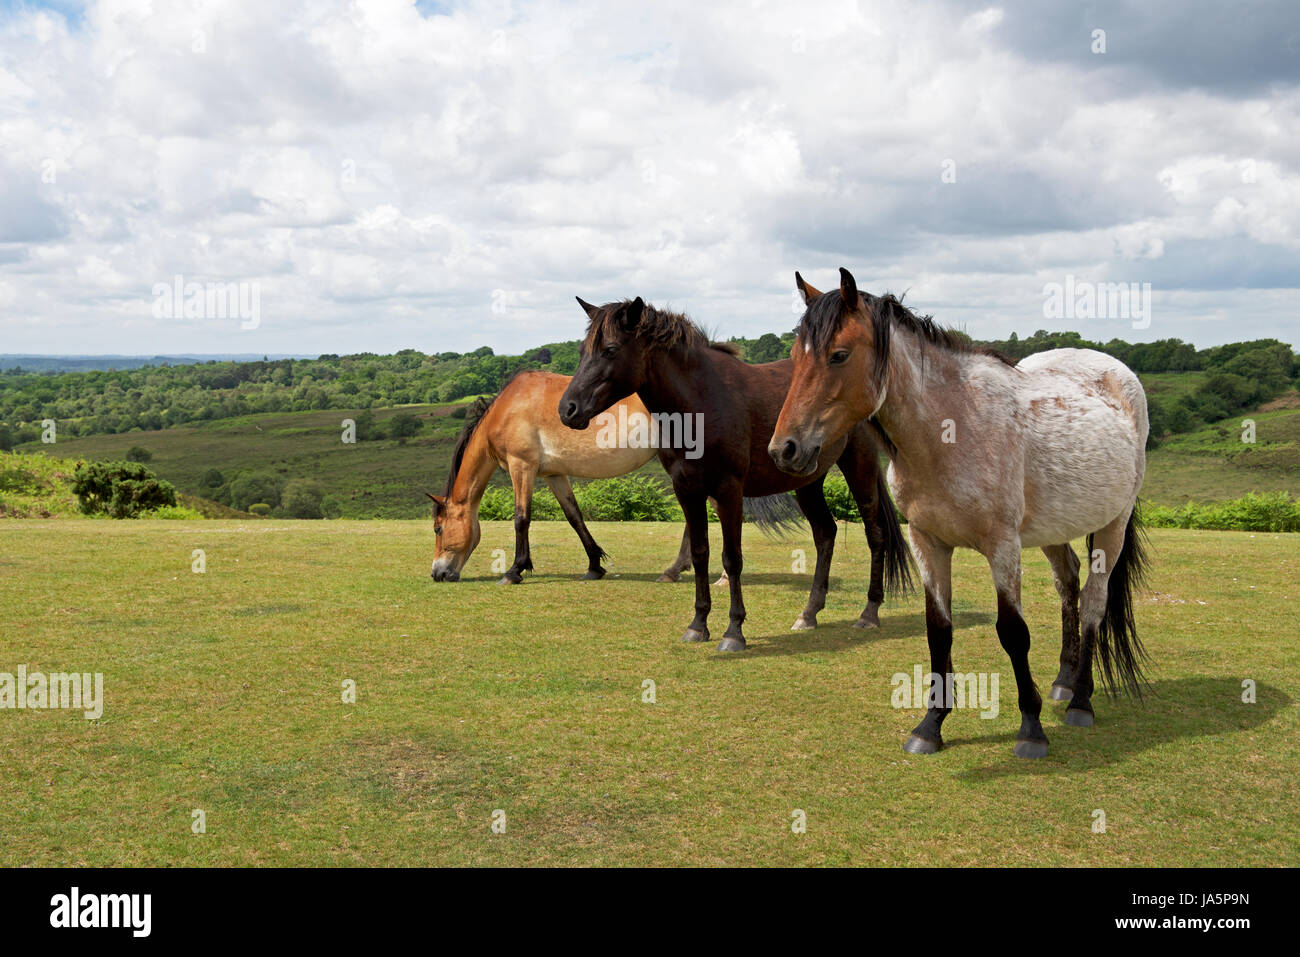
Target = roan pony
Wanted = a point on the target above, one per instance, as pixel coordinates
(993, 456)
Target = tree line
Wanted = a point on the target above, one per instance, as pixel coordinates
(1237, 376)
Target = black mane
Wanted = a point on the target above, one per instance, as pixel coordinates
(825, 316)
(658, 328)
(473, 417)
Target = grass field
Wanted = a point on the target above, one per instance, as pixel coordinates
(223, 694)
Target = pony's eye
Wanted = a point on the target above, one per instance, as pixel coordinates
(437, 529)
(609, 352)
(839, 357)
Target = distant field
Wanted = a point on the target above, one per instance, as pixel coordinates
(385, 479)
(223, 695)
(1214, 463)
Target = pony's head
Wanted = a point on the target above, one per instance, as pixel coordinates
(612, 364)
(841, 363)
(456, 534)
(455, 516)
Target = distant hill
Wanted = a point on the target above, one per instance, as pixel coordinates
(38, 363)
(387, 478)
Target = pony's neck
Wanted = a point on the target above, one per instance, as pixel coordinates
(476, 468)
(671, 383)
(923, 384)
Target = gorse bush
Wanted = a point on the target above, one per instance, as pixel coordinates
(1271, 512)
(120, 489)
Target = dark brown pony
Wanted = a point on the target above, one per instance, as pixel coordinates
(670, 362)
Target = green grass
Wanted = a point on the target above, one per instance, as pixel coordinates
(223, 694)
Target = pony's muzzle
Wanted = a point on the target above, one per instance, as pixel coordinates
(441, 573)
(793, 456)
(571, 415)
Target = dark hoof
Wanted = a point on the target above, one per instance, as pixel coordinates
(804, 623)
(918, 745)
(731, 644)
(593, 574)
(1078, 718)
(511, 580)
(695, 634)
(1061, 693)
(1031, 749)
(865, 622)
(666, 577)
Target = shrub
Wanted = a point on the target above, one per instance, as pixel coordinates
(840, 499)
(302, 499)
(1270, 512)
(212, 478)
(255, 487)
(138, 454)
(260, 508)
(404, 425)
(119, 489)
(131, 497)
(631, 498)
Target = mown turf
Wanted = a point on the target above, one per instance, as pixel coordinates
(223, 693)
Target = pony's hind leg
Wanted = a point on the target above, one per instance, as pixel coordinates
(934, 558)
(563, 492)
(674, 571)
(1115, 562)
(812, 502)
(522, 475)
(1065, 575)
(1013, 633)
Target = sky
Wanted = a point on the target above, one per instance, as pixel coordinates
(372, 176)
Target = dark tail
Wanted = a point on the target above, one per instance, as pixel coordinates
(777, 515)
(898, 555)
(1118, 649)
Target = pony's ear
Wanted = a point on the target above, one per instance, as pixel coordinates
(848, 288)
(439, 503)
(808, 292)
(632, 314)
(588, 308)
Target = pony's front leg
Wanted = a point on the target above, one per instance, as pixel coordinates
(731, 516)
(812, 502)
(1013, 633)
(934, 558)
(521, 477)
(697, 527)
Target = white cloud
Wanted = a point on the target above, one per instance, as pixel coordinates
(387, 177)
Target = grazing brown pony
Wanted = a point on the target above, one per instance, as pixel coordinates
(688, 381)
(519, 430)
(989, 455)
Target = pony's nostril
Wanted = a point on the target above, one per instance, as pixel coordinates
(571, 409)
(789, 450)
